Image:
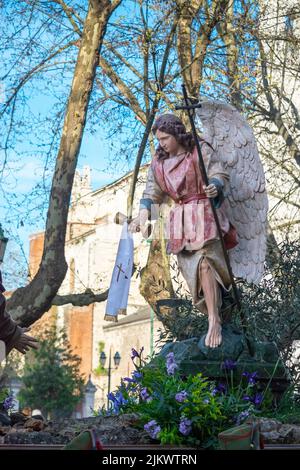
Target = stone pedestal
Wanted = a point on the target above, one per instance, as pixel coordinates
(192, 357)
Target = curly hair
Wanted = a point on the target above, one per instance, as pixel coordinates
(171, 124)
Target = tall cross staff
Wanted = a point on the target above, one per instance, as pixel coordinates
(188, 107)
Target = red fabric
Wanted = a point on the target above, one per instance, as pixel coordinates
(191, 224)
(230, 238)
(192, 197)
(99, 446)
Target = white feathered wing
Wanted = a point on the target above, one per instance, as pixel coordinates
(246, 203)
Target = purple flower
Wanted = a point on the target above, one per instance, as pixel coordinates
(206, 401)
(120, 399)
(8, 403)
(128, 379)
(220, 388)
(242, 416)
(134, 353)
(171, 364)
(137, 375)
(256, 400)
(251, 377)
(117, 398)
(145, 395)
(111, 397)
(152, 428)
(181, 396)
(185, 426)
(228, 364)
(247, 398)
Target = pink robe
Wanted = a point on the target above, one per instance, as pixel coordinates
(191, 224)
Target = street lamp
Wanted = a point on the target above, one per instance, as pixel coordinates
(117, 359)
(3, 243)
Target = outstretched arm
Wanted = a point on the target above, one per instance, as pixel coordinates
(152, 197)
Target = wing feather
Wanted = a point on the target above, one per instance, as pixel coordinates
(246, 204)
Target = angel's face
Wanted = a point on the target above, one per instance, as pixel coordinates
(168, 142)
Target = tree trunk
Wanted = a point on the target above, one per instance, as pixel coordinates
(191, 56)
(29, 303)
(228, 34)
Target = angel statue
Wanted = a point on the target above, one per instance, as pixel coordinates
(237, 187)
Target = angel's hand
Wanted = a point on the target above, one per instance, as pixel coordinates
(141, 224)
(211, 190)
(135, 225)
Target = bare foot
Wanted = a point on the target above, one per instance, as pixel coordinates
(214, 335)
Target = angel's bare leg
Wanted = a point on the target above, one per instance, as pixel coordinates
(210, 291)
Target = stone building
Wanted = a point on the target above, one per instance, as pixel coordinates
(279, 30)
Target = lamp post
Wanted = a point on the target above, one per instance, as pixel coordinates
(117, 359)
(3, 243)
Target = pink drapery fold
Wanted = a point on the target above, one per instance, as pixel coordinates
(191, 224)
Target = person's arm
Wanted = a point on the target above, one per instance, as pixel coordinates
(152, 197)
(10, 333)
(9, 330)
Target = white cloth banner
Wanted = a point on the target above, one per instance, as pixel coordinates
(120, 281)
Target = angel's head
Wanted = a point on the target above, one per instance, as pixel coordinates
(172, 136)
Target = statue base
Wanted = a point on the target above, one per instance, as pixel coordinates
(192, 357)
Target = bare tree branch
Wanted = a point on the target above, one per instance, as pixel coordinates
(79, 300)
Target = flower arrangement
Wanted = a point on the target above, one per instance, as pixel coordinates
(184, 410)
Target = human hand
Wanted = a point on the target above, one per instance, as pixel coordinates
(134, 225)
(210, 190)
(25, 342)
(139, 223)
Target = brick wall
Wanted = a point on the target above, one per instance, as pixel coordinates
(80, 334)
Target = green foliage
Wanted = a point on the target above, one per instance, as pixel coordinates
(3, 394)
(100, 370)
(242, 396)
(272, 308)
(288, 409)
(52, 381)
(186, 410)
